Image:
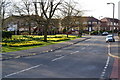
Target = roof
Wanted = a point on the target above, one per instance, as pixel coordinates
(106, 19)
(91, 19)
(23, 16)
(86, 18)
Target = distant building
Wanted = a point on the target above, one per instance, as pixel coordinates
(85, 23)
(35, 23)
(22, 22)
(107, 24)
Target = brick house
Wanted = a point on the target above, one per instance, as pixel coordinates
(22, 22)
(107, 24)
(34, 23)
(91, 23)
(85, 23)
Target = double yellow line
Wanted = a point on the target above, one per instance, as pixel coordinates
(110, 53)
(113, 56)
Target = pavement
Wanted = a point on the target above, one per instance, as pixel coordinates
(40, 50)
(116, 65)
(116, 71)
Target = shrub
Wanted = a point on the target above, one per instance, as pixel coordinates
(109, 31)
(6, 34)
(26, 43)
(94, 33)
(24, 33)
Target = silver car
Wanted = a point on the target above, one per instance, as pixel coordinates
(110, 38)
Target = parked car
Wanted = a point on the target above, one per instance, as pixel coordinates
(110, 38)
(110, 35)
(105, 33)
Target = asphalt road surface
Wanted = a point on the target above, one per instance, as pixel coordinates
(87, 59)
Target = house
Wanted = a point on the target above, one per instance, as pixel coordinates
(55, 25)
(107, 24)
(77, 23)
(22, 22)
(91, 23)
(30, 23)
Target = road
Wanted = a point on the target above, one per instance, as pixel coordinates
(87, 59)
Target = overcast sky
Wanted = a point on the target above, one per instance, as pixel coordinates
(98, 8)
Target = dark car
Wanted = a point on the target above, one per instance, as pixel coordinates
(104, 33)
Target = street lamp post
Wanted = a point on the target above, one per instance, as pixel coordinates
(99, 28)
(113, 17)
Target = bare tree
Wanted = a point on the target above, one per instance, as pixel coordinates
(68, 11)
(48, 8)
(27, 8)
(24, 8)
(3, 6)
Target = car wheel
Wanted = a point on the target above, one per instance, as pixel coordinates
(113, 40)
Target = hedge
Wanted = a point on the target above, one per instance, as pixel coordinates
(6, 34)
(94, 33)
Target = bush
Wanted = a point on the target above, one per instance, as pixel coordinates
(6, 34)
(25, 43)
(109, 31)
(94, 33)
(24, 33)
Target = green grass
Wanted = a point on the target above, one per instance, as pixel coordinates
(11, 49)
(35, 38)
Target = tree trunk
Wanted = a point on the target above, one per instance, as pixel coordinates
(45, 30)
(80, 31)
(18, 25)
(67, 32)
(29, 28)
(45, 33)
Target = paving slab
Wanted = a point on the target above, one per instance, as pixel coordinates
(116, 70)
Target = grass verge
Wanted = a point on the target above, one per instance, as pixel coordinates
(52, 39)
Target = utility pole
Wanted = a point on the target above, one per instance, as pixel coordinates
(99, 23)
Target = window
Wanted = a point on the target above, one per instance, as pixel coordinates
(84, 22)
(111, 23)
(89, 22)
(77, 22)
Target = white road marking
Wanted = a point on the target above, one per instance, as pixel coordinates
(58, 55)
(83, 48)
(105, 68)
(62, 56)
(22, 71)
(58, 58)
(58, 50)
(107, 63)
(74, 52)
(51, 50)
